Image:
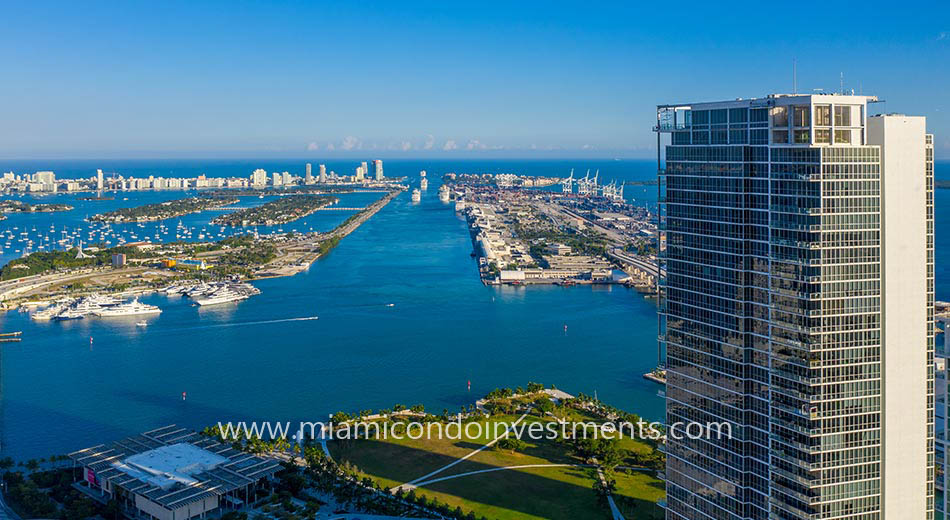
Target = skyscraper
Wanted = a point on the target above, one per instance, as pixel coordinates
(379, 169)
(323, 173)
(259, 178)
(796, 304)
(99, 179)
(308, 178)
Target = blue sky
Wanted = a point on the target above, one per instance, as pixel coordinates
(414, 79)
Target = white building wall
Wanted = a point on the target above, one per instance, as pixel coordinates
(904, 308)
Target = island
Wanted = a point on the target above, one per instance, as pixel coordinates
(163, 210)
(16, 206)
(276, 212)
(146, 266)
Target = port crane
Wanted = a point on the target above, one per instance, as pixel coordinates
(567, 185)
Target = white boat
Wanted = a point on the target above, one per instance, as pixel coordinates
(141, 323)
(133, 308)
(225, 295)
(416, 195)
(48, 313)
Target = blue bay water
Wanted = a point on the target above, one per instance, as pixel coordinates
(253, 361)
(256, 361)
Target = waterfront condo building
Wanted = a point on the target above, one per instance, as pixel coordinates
(796, 304)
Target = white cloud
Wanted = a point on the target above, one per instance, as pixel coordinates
(405, 146)
(430, 142)
(450, 145)
(587, 147)
(313, 146)
(331, 147)
(475, 144)
(351, 143)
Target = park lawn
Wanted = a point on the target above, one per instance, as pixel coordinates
(637, 493)
(532, 493)
(541, 451)
(396, 461)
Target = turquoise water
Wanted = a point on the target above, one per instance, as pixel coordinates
(252, 361)
(249, 362)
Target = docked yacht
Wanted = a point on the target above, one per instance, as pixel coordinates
(416, 195)
(224, 295)
(132, 308)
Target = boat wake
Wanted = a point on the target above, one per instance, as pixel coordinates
(262, 322)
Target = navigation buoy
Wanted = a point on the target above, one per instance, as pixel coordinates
(184, 395)
(469, 385)
(565, 327)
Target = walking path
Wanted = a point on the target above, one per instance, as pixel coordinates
(489, 470)
(414, 483)
(614, 510)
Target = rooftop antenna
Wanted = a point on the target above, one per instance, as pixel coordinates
(794, 76)
(841, 88)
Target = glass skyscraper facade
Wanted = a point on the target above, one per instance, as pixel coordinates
(774, 222)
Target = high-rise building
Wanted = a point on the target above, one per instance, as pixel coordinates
(308, 179)
(378, 164)
(287, 178)
(99, 180)
(259, 178)
(360, 172)
(796, 306)
(46, 177)
(323, 173)
(277, 179)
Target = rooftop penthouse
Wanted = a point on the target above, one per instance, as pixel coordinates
(173, 474)
(781, 119)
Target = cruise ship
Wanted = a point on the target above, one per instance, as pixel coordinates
(444, 193)
(132, 308)
(416, 195)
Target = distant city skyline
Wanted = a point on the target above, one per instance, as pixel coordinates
(429, 80)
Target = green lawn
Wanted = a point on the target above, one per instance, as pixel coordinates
(548, 493)
(637, 494)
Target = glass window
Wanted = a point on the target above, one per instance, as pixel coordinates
(823, 115)
(802, 115)
(780, 117)
(842, 116)
(759, 115)
(719, 136)
(802, 137)
(717, 117)
(700, 117)
(842, 136)
(738, 136)
(738, 115)
(760, 136)
(700, 137)
(780, 136)
(823, 136)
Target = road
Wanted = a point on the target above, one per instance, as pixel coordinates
(639, 262)
(20, 286)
